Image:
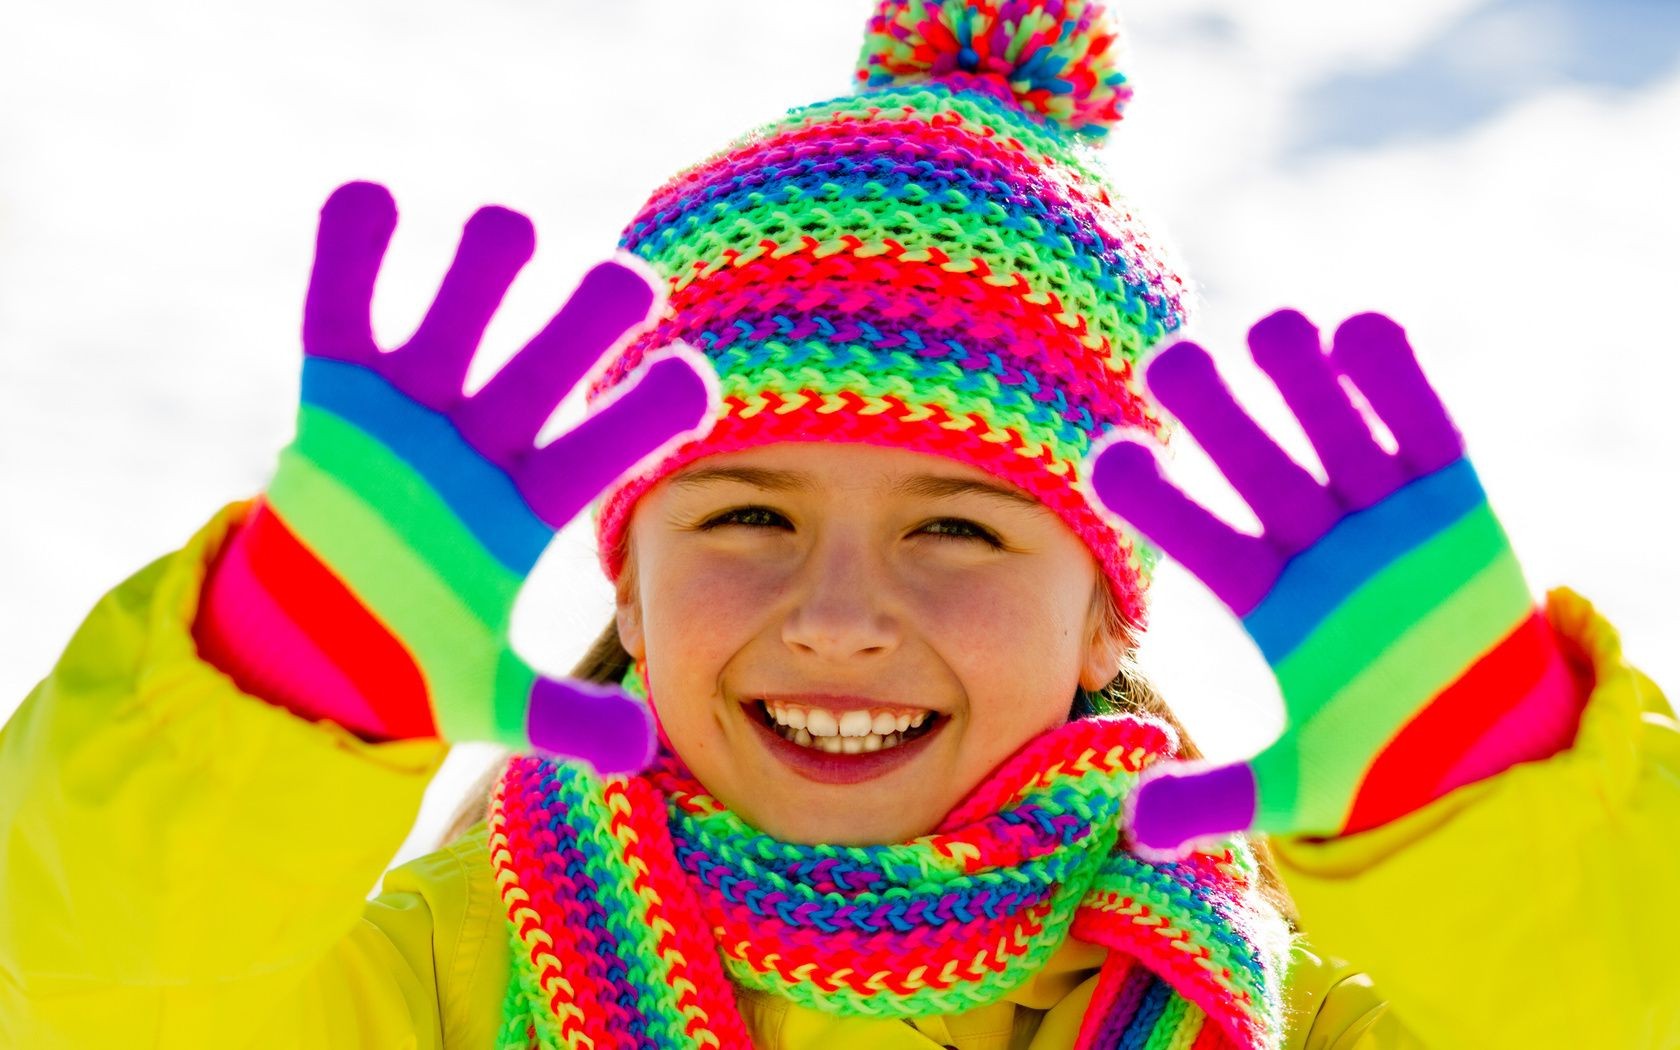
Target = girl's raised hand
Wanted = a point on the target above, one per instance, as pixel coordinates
(1408, 648)
(405, 516)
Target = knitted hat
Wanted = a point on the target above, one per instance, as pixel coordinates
(935, 262)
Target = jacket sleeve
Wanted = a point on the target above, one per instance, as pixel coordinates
(1534, 908)
(182, 864)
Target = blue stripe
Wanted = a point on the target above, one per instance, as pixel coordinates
(1136, 1036)
(616, 937)
(478, 492)
(1104, 262)
(1036, 884)
(876, 179)
(1320, 578)
(1123, 873)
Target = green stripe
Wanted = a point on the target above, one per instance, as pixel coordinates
(977, 110)
(511, 702)
(1369, 621)
(628, 927)
(459, 656)
(1166, 1034)
(1074, 282)
(1350, 731)
(401, 496)
(784, 384)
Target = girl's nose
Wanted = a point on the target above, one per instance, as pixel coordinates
(842, 612)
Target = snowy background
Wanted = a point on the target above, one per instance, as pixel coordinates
(1497, 174)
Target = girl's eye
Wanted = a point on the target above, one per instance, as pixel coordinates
(967, 530)
(756, 516)
(733, 517)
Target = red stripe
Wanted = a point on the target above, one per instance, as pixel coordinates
(1211, 1037)
(1116, 967)
(345, 631)
(1404, 776)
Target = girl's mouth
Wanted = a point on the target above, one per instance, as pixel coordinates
(834, 742)
(836, 759)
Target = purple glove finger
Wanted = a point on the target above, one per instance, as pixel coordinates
(600, 724)
(669, 399)
(1286, 347)
(1177, 806)
(432, 366)
(356, 226)
(1126, 478)
(1374, 353)
(609, 306)
(1292, 506)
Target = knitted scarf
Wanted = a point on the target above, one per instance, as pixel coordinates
(634, 902)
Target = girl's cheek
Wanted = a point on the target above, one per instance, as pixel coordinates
(726, 582)
(688, 572)
(716, 602)
(983, 609)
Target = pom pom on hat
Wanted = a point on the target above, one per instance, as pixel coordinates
(1058, 57)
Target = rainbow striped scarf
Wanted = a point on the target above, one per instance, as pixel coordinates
(604, 881)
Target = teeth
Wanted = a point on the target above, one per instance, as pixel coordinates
(842, 745)
(851, 733)
(821, 722)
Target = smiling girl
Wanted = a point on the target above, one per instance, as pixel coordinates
(877, 568)
(862, 761)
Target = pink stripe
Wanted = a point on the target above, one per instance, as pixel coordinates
(242, 631)
(1539, 726)
(1116, 967)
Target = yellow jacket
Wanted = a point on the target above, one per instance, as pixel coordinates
(185, 865)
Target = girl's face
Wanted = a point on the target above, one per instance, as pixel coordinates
(860, 588)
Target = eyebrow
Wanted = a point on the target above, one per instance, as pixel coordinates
(926, 485)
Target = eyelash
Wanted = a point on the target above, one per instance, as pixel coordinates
(978, 532)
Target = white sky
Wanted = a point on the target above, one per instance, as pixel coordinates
(1487, 171)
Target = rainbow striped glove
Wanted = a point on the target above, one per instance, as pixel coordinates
(380, 569)
(1410, 653)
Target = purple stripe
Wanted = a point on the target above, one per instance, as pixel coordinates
(768, 162)
(1124, 1007)
(568, 866)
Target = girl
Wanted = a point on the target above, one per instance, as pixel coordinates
(861, 761)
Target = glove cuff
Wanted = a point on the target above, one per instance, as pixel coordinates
(1520, 702)
(265, 608)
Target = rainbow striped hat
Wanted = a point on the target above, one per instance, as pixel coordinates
(933, 262)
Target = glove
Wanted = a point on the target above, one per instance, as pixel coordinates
(378, 572)
(1409, 651)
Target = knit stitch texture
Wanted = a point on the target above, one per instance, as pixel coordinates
(604, 879)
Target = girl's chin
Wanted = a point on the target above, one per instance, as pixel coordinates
(840, 827)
